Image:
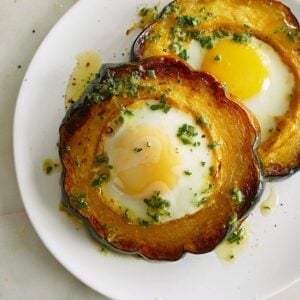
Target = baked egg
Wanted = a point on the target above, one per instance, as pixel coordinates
(253, 72)
(161, 164)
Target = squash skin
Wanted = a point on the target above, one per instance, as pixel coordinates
(280, 154)
(197, 233)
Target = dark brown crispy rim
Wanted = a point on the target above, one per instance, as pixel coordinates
(78, 113)
(276, 172)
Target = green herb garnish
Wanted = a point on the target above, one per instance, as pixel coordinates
(81, 200)
(213, 145)
(185, 20)
(217, 58)
(201, 201)
(162, 105)
(172, 8)
(242, 37)
(183, 54)
(157, 207)
(144, 222)
(187, 133)
(99, 180)
(101, 159)
(136, 149)
(202, 121)
(127, 111)
(237, 195)
(291, 33)
(232, 221)
(237, 237)
(207, 189)
(188, 172)
(151, 73)
(126, 215)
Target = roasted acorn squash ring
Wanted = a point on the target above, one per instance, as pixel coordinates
(238, 166)
(269, 21)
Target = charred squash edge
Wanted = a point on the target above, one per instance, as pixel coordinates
(85, 101)
(136, 56)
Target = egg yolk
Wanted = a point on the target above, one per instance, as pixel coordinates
(239, 66)
(143, 159)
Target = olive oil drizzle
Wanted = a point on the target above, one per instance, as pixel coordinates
(268, 205)
(50, 166)
(87, 66)
(231, 249)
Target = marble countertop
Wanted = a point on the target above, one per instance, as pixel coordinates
(27, 269)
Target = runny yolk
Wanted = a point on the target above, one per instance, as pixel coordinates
(239, 66)
(144, 160)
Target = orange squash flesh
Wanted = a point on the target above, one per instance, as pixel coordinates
(269, 21)
(81, 138)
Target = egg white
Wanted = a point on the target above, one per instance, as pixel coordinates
(185, 195)
(274, 98)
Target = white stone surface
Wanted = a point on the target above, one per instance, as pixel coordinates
(27, 269)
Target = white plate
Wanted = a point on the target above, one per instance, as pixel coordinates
(270, 263)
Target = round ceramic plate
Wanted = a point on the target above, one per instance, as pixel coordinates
(270, 262)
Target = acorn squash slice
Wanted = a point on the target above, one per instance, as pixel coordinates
(210, 21)
(236, 182)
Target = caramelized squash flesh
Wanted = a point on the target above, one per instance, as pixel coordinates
(237, 167)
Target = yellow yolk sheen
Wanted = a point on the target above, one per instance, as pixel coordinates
(239, 65)
(143, 159)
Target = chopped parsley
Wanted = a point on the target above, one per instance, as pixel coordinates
(207, 189)
(237, 195)
(211, 171)
(213, 145)
(151, 73)
(200, 202)
(188, 172)
(206, 41)
(151, 12)
(183, 54)
(111, 86)
(172, 8)
(81, 200)
(144, 222)
(154, 37)
(217, 58)
(237, 236)
(242, 37)
(202, 163)
(157, 207)
(152, 88)
(127, 111)
(202, 120)
(232, 221)
(178, 36)
(136, 149)
(101, 159)
(99, 180)
(126, 215)
(162, 105)
(185, 20)
(187, 133)
(291, 33)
